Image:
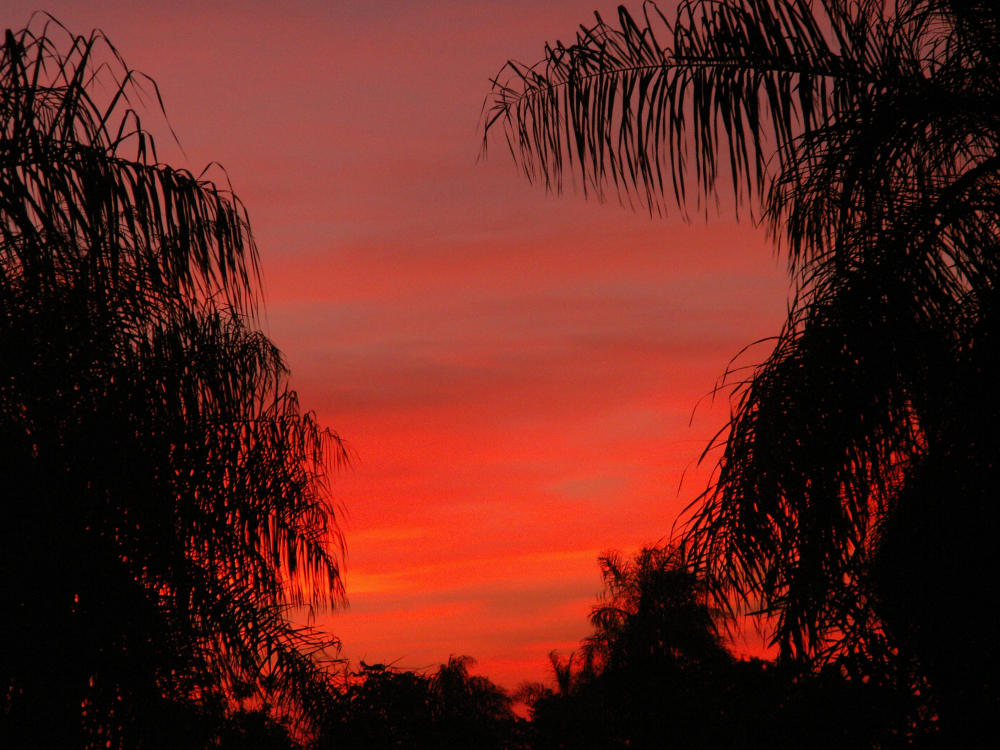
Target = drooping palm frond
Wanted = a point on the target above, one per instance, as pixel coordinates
(163, 484)
(80, 179)
(822, 436)
(803, 107)
(866, 134)
(640, 107)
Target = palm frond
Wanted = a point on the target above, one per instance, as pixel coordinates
(865, 134)
(80, 179)
(149, 431)
(639, 107)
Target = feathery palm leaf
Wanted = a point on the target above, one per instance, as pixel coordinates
(866, 136)
(149, 433)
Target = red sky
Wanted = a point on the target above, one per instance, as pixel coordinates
(515, 372)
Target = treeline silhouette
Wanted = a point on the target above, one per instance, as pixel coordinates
(656, 673)
(379, 706)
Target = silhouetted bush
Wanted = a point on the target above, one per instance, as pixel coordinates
(384, 707)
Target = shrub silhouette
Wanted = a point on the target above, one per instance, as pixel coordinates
(382, 707)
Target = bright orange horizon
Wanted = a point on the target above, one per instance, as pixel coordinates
(515, 372)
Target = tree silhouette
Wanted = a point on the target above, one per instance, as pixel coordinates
(656, 673)
(166, 499)
(854, 495)
(654, 665)
(654, 608)
(381, 706)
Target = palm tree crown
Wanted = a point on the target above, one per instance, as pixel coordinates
(866, 136)
(163, 488)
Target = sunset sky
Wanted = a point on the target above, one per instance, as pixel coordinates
(514, 372)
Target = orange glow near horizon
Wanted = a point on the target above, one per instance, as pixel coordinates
(515, 372)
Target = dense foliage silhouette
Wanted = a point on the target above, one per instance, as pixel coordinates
(656, 673)
(854, 498)
(383, 707)
(165, 497)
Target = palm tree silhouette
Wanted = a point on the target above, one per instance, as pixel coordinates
(653, 610)
(853, 499)
(655, 672)
(166, 499)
